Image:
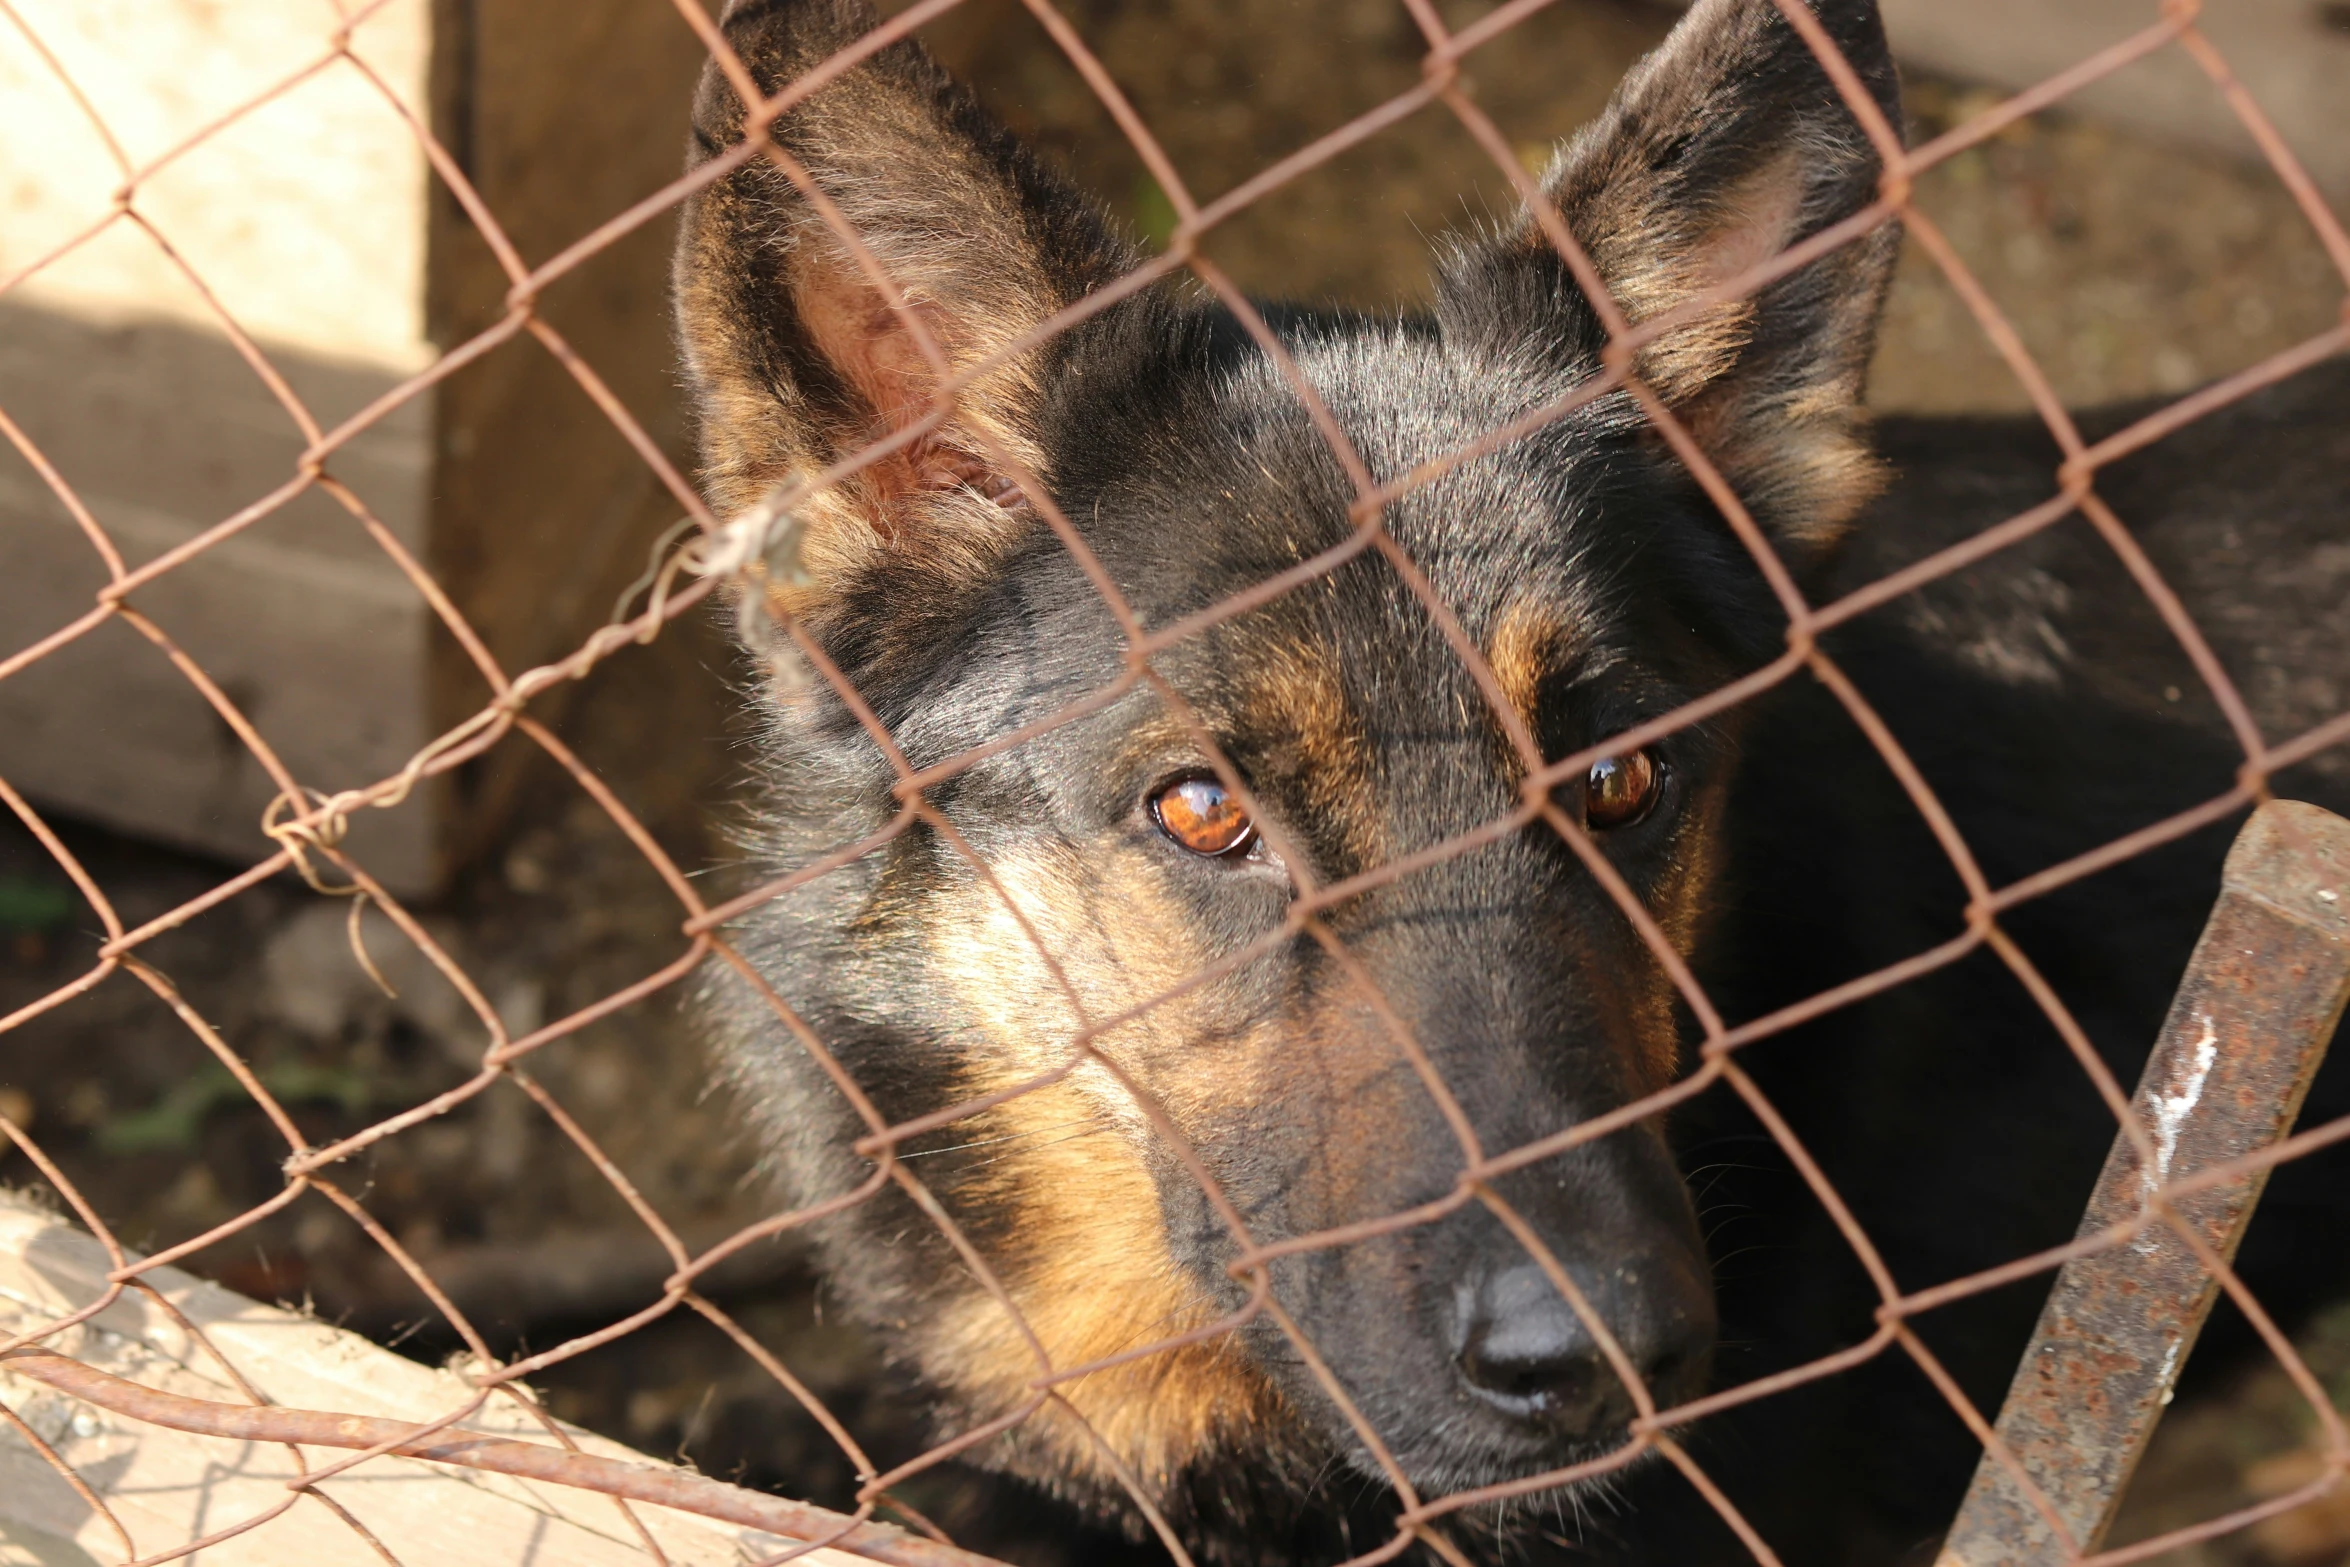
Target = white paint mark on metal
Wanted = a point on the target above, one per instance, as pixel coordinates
(2171, 1110)
(2170, 1117)
(2170, 1361)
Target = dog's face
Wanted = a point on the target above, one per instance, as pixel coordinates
(1144, 873)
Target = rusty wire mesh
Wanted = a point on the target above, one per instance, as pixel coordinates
(308, 827)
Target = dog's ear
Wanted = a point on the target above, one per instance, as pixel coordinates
(1724, 147)
(797, 357)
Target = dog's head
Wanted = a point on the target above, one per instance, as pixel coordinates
(1138, 861)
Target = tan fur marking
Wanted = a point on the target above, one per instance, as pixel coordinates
(1529, 644)
(1294, 691)
(1091, 1272)
(1804, 455)
(1093, 1278)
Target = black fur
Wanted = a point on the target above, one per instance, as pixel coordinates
(2051, 713)
(1778, 854)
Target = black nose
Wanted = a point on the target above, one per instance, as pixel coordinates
(1523, 1350)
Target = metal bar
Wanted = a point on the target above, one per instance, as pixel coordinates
(2251, 1021)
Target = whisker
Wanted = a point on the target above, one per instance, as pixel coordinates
(981, 1164)
(1008, 1137)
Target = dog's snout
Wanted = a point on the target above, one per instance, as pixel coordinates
(1521, 1348)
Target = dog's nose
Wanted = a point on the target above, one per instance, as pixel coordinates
(1523, 1350)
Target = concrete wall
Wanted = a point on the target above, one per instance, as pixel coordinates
(2294, 55)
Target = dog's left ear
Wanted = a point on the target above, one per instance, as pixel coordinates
(1724, 147)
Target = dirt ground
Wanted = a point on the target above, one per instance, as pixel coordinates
(2127, 267)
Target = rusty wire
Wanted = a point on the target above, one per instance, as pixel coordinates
(308, 827)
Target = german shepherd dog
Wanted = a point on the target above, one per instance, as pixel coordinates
(1055, 885)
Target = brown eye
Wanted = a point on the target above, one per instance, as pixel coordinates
(1203, 816)
(1619, 790)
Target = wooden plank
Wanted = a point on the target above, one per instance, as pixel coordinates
(163, 430)
(314, 221)
(169, 1488)
(307, 221)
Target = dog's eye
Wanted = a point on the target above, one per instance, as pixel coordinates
(1203, 816)
(1619, 790)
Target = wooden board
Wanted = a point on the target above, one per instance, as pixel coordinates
(168, 1488)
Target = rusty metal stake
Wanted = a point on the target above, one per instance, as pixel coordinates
(2245, 1034)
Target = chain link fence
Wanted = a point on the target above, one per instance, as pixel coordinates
(719, 560)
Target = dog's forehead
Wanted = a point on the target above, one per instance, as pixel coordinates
(1349, 671)
(1239, 486)
(1495, 501)
(1498, 510)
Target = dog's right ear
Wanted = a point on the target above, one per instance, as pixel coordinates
(797, 357)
